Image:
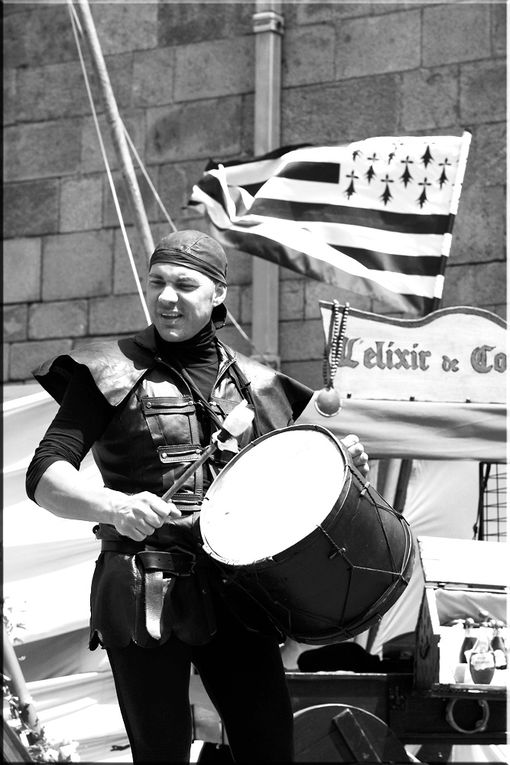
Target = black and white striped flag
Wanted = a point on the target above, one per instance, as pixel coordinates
(374, 216)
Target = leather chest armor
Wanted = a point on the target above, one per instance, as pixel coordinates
(155, 434)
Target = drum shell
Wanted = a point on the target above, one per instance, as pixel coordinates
(340, 578)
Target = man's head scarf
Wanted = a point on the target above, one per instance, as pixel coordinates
(196, 250)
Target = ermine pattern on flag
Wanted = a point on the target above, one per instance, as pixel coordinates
(374, 216)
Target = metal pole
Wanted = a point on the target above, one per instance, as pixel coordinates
(268, 29)
(404, 475)
(117, 130)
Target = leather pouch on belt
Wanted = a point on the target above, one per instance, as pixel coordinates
(160, 572)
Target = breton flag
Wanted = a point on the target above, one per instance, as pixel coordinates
(374, 217)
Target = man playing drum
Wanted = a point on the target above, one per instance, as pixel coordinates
(147, 406)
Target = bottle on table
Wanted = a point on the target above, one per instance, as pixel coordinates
(469, 640)
(482, 662)
(498, 645)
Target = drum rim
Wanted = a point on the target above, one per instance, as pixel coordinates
(279, 557)
(306, 540)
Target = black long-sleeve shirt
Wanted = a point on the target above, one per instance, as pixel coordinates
(85, 414)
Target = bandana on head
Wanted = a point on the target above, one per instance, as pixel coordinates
(196, 250)
(193, 249)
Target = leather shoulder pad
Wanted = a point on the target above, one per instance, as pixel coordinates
(115, 366)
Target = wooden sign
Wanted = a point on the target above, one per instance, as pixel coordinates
(454, 354)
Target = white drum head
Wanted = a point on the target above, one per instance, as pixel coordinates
(272, 496)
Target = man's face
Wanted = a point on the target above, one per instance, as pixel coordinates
(180, 300)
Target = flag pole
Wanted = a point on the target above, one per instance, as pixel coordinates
(117, 128)
(268, 29)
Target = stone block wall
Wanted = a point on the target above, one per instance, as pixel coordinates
(183, 76)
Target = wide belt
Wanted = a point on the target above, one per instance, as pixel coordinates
(125, 546)
(161, 569)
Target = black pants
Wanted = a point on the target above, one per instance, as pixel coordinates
(243, 674)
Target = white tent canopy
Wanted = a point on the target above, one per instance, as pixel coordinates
(420, 430)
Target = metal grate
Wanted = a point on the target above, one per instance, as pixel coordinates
(491, 520)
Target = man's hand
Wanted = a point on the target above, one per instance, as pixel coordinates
(65, 492)
(139, 515)
(357, 452)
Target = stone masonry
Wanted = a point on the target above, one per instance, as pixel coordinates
(183, 76)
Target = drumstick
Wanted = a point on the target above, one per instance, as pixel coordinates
(234, 425)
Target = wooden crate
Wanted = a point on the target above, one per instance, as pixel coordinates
(462, 578)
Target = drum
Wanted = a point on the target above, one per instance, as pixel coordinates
(292, 523)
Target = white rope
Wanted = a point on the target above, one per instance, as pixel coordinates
(148, 178)
(76, 26)
(248, 339)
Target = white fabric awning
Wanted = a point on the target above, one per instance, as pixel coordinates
(419, 430)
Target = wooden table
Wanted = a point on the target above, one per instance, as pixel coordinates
(416, 717)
